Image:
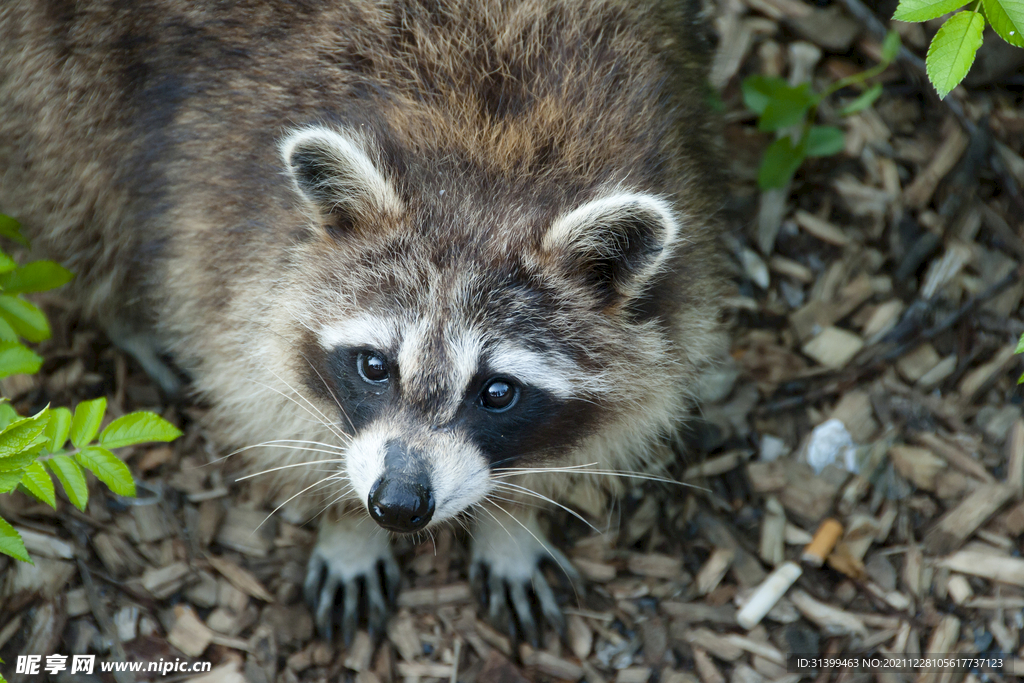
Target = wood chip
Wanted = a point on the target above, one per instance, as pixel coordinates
(633, 674)
(655, 565)
(165, 581)
(417, 670)
(241, 578)
(772, 546)
(959, 589)
(433, 597)
(718, 645)
(987, 566)
(831, 620)
(189, 634)
(960, 522)
(1015, 459)
(250, 532)
(973, 381)
(713, 570)
(358, 655)
(833, 347)
(598, 572)
(916, 364)
(718, 465)
(919, 465)
(920, 191)
(551, 665)
(706, 668)
(579, 635)
(954, 455)
(822, 229)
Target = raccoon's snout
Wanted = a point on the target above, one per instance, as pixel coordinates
(401, 500)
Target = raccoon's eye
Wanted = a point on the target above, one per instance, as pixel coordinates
(499, 395)
(373, 367)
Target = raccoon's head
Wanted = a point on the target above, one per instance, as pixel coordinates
(460, 327)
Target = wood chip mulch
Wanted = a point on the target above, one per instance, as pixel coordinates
(871, 386)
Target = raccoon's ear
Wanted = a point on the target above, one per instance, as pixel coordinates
(338, 177)
(616, 243)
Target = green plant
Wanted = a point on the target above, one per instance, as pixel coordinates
(952, 50)
(34, 448)
(782, 106)
(1020, 349)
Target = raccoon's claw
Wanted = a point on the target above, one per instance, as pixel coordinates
(506, 574)
(351, 566)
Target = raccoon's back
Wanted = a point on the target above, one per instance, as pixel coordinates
(137, 133)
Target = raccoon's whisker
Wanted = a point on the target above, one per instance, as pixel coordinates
(329, 390)
(290, 466)
(539, 469)
(496, 520)
(323, 418)
(318, 419)
(543, 544)
(322, 482)
(494, 496)
(319, 413)
(505, 473)
(275, 442)
(344, 492)
(522, 489)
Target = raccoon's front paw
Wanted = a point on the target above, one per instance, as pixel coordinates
(352, 558)
(505, 572)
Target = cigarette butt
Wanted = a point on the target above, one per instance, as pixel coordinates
(768, 593)
(825, 539)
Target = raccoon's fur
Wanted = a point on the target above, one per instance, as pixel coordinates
(422, 243)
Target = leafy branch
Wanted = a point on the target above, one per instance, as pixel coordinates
(955, 45)
(792, 110)
(34, 449)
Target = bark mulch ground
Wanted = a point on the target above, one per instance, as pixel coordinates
(869, 399)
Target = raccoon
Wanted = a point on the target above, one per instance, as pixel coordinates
(435, 260)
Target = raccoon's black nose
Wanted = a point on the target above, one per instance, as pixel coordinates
(403, 506)
(401, 499)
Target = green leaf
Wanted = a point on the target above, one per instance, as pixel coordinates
(7, 414)
(1020, 345)
(86, 422)
(11, 543)
(38, 482)
(37, 276)
(953, 49)
(136, 428)
(19, 461)
(19, 436)
(11, 229)
(17, 359)
(57, 429)
(10, 480)
(862, 101)
(923, 10)
(7, 332)
(824, 141)
(1007, 18)
(779, 163)
(71, 477)
(758, 91)
(787, 108)
(891, 47)
(7, 264)
(27, 320)
(108, 468)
